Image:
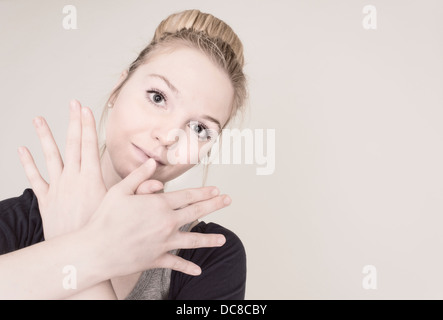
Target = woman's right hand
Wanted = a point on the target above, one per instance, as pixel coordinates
(137, 231)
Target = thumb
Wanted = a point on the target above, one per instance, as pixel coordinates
(149, 186)
(130, 184)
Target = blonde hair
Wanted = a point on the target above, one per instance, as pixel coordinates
(207, 33)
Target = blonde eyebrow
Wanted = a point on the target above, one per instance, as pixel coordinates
(213, 120)
(168, 83)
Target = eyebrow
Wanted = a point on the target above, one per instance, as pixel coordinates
(213, 120)
(175, 90)
(168, 83)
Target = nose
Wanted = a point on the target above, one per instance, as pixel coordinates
(167, 133)
(164, 140)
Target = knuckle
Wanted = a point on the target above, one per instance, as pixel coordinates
(195, 241)
(189, 196)
(52, 155)
(178, 264)
(33, 176)
(72, 140)
(86, 139)
(161, 202)
(169, 226)
(215, 204)
(220, 202)
(197, 209)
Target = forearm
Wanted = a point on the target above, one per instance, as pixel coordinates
(101, 291)
(53, 269)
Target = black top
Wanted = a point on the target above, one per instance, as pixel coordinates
(223, 269)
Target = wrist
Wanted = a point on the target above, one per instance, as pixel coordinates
(98, 267)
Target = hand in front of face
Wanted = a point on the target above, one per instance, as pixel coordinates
(134, 227)
(76, 186)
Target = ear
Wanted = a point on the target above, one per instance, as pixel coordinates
(124, 74)
(123, 77)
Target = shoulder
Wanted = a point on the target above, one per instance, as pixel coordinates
(233, 243)
(223, 269)
(25, 200)
(20, 222)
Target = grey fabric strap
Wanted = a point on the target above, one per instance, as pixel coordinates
(154, 284)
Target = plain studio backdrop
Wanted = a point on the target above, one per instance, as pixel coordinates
(357, 114)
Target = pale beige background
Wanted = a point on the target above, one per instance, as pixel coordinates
(357, 114)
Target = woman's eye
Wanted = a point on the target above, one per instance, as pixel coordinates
(156, 98)
(201, 130)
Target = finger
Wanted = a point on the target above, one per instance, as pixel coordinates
(90, 158)
(201, 209)
(73, 141)
(53, 158)
(170, 261)
(150, 186)
(194, 240)
(182, 198)
(38, 184)
(130, 184)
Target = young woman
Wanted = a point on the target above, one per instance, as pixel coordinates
(102, 221)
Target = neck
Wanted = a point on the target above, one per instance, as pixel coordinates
(110, 177)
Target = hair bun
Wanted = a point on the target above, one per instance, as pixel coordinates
(201, 22)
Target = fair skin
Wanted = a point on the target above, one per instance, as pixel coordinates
(203, 89)
(183, 76)
(188, 87)
(89, 206)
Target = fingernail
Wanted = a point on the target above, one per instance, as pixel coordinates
(215, 192)
(37, 122)
(227, 200)
(221, 240)
(85, 111)
(196, 271)
(21, 150)
(156, 187)
(73, 104)
(150, 162)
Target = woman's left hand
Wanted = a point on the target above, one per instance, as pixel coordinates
(76, 187)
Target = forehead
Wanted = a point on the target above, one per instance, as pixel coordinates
(202, 85)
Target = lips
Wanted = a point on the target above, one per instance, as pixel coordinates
(144, 155)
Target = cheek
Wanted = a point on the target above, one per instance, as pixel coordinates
(122, 125)
(115, 131)
(123, 121)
